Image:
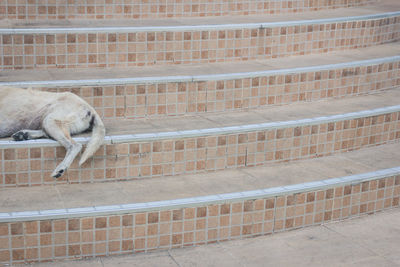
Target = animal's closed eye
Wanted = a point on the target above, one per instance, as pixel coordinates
(88, 114)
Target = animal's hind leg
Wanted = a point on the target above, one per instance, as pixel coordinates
(28, 135)
(59, 131)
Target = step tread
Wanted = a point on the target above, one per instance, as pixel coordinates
(61, 196)
(98, 74)
(295, 111)
(291, 112)
(381, 7)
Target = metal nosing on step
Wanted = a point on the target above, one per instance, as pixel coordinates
(196, 201)
(199, 78)
(125, 29)
(145, 137)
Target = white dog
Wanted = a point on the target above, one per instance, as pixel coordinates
(30, 114)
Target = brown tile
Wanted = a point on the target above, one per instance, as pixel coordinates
(114, 221)
(177, 215)
(60, 251)
(74, 250)
(179, 145)
(45, 239)
(101, 222)
(100, 235)
(290, 200)
(17, 242)
(87, 236)
(59, 238)
(32, 254)
(225, 209)
(201, 212)
(100, 248)
(59, 225)
(127, 245)
(270, 203)
(73, 224)
(329, 194)
(127, 220)
(16, 229)
(153, 217)
(31, 227)
(140, 218)
(190, 213)
(86, 224)
(9, 154)
(140, 244)
(17, 254)
(165, 216)
(4, 243)
(177, 239)
(212, 210)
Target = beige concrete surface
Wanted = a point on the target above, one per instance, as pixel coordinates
(173, 187)
(379, 51)
(371, 240)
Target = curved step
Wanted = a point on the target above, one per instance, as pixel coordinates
(25, 10)
(76, 45)
(296, 196)
(222, 185)
(151, 92)
(213, 142)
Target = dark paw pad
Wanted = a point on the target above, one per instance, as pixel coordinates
(20, 136)
(59, 174)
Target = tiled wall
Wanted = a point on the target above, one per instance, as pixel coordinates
(33, 166)
(173, 228)
(133, 101)
(102, 9)
(71, 50)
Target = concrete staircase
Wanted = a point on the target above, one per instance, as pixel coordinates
(225, 120)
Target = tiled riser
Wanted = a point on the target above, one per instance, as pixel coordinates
(142, 100)
(33, 166)
(101, 9)
(71, 50)
(30, 241)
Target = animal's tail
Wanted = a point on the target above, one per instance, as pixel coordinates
(98, 133)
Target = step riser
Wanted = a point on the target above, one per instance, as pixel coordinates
(24, 165)
(191, 225)
(162, 9)
(121, 47)
(153, 99)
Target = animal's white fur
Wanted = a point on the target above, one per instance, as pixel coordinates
(31, 114)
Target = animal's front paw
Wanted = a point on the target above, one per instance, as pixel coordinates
(20, 136)
(58, 173)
